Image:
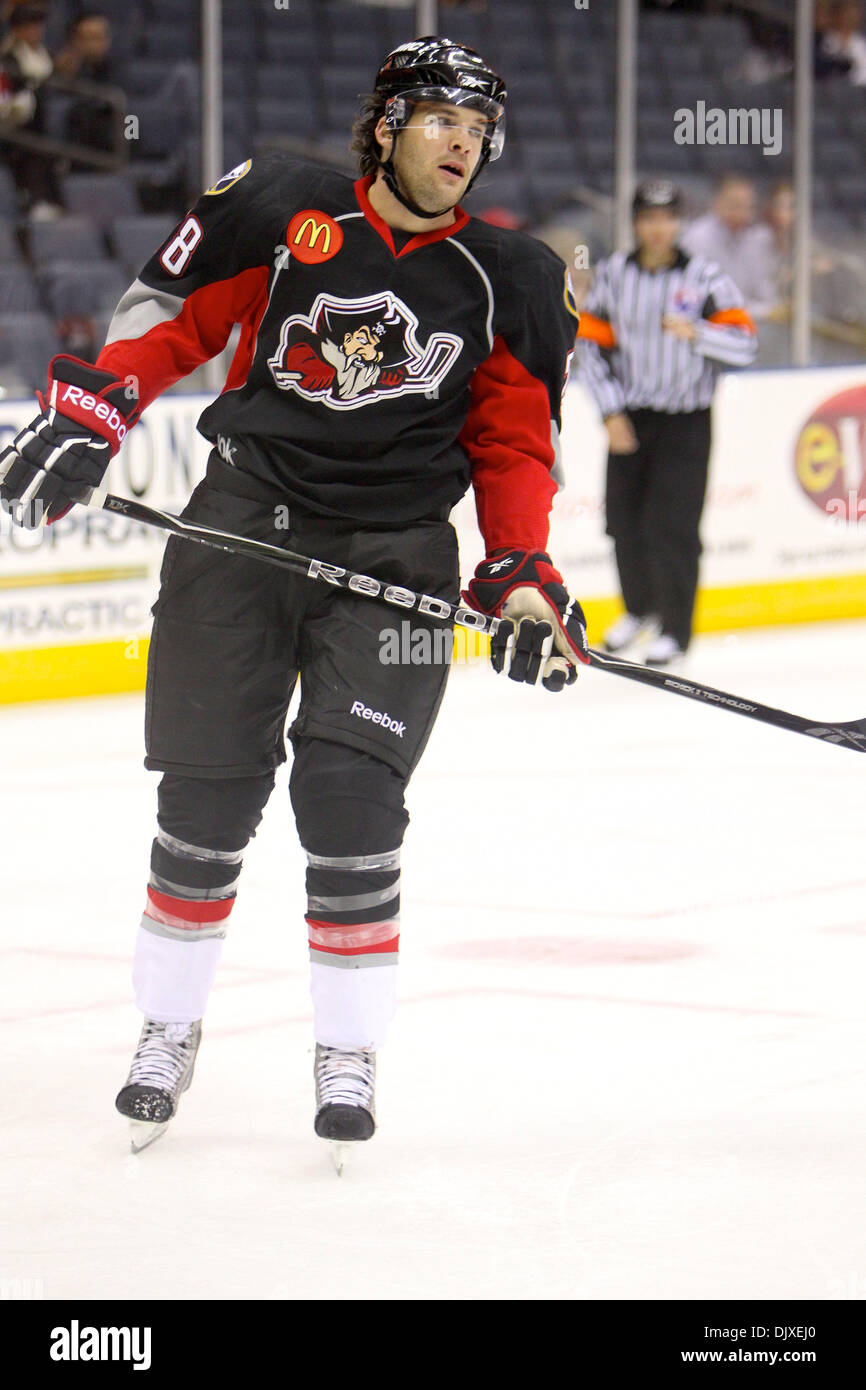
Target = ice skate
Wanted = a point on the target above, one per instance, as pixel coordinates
(629, 631)
(345, 1098)
(664, 651)
(161, 1071)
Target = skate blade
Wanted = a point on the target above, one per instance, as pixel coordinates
(339, 1154)
(143, 1133)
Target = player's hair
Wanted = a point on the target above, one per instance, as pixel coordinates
(364, 143)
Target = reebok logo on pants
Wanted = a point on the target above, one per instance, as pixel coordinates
(378, 717)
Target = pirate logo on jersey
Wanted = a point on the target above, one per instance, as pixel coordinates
(350, 352)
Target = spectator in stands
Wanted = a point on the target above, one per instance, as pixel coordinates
(727, 234)
(827, 64)
(26, 64)
(843, 39)
(777, 230)
(8, 6)
(836, 278)
(87, 56)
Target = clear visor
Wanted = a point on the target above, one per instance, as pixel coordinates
(491, 135)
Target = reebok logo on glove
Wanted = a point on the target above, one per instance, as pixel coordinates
(378, 717)
(83, 407)
(61, 456)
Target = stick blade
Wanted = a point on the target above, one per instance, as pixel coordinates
(850, 735)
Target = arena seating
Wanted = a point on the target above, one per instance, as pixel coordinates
(294, 75)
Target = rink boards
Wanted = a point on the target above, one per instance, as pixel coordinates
(784, 530)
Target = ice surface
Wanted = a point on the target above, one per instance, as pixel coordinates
(629, 1055)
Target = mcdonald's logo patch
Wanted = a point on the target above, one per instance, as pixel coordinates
(313, 236)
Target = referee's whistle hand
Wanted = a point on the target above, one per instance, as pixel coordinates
(680, 326)
(621, 437)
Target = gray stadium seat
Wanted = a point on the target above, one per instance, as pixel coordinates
(300, 16)
(351, 43)
(56, 107)
(848, 193)
(135, 239)
(541, 122)
(170, 11)
(180, 38)
(595, 153)
(146, 75)
(288, 45)
(71, 238)
(101, 196)
(10, 251)
(236, 82)
(236, 125)
(159, 129)
(717, 32)
(550, 189)
(526, 87)
(277, 83)
(652, 90)
(549, 156)
(27, 344)
(508, 191)
(838, 155)
(72, 289)
(598, 124)
(8, 194)
(341, 84)
(18, 291)
(286, 118)
(682, 58)
(655, 125)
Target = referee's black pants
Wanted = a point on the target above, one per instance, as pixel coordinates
(654, 501)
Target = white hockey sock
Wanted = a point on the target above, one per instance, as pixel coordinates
(352, 1007)
(172, 979)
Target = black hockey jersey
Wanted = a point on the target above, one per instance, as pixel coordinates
(369, 383)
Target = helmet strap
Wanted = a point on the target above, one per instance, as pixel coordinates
(390, 176)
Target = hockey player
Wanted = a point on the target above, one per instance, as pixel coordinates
(392, 350)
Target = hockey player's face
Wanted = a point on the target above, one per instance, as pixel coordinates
(437, 153)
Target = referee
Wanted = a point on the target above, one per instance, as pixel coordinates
(654, 332)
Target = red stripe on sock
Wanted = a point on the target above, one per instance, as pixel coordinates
(361, 939)
(198, 910)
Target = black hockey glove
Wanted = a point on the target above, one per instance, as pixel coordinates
(62, 455)
(523, 587)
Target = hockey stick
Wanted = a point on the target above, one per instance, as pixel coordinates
(341, 578)
(850, 735)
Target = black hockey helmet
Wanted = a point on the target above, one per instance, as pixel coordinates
(657, 193)
(436, 69)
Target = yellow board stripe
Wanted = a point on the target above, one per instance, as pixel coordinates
(92, 668)
(727, 609)
(46, 579)
(104, 668)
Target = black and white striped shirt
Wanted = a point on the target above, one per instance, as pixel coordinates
(629, 362)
